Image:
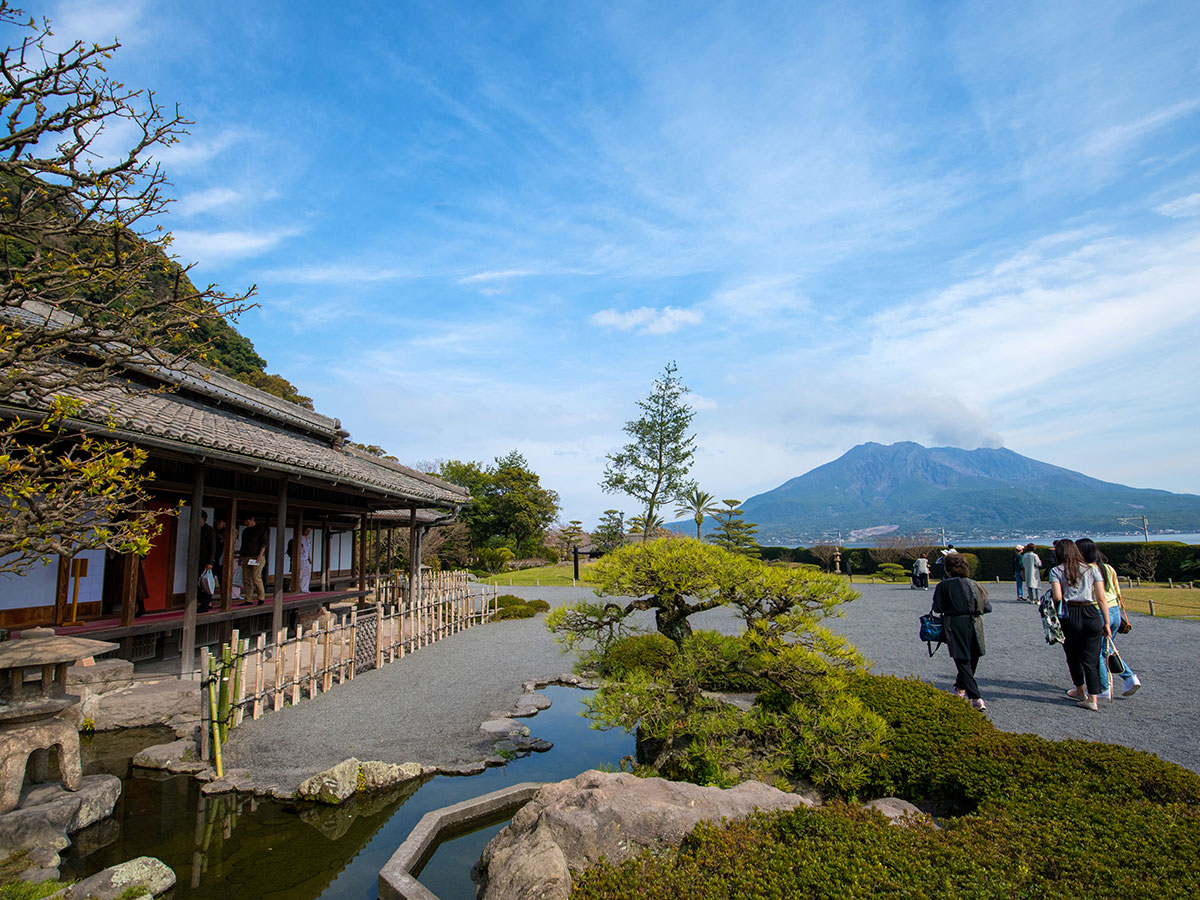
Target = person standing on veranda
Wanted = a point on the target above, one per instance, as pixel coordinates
(254, 556)
(306, 558)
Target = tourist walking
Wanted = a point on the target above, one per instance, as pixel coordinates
(1078, 594)
(921, 573)
(1116, 606)
(961, 602)
(1018, 568)
(1031, 565)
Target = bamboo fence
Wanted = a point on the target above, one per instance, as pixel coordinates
(241, 679)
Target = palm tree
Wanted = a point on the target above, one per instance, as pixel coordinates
(638, 525)
(697, 504)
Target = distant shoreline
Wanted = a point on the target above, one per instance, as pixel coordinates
(1044, 540)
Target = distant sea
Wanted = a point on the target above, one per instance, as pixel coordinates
(1047, 541)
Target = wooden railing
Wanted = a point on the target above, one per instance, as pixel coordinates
(240, 679)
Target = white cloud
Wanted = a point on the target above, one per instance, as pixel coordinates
(1181, 208)
(648, 319)
(203, 201)
(210, 246)
(191, 152)
(1115, 137)
(337, 273)
(499, 275)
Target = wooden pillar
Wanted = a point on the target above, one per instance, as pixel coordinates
(325, 554)
(362, 552)
(187, 655)
(231, 533)
(414, 563)
(378, 550)
(297, 534)
(280, 547)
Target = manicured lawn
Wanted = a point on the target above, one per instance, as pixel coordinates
(548, 576)
(1167, 601)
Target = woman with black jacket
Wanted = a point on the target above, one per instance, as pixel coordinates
(961, 602)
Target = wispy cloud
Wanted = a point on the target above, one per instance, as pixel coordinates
(206, 200)
(1181, 208)
(226, 245)
(647, 319)
(338, 273)
(192, 152)
(1118, 136)
(494, 276)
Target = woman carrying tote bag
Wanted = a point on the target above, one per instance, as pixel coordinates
(961, 602)
(1112, 595)
(1078, 592)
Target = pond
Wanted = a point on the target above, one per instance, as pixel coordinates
(236, 846)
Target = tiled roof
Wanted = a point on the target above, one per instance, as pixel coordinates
(148, 416)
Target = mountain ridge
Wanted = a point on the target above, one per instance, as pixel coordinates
(983, 493)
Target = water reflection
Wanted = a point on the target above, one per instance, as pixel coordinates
(235, 846)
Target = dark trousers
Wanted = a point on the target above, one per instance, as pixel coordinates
(965, 681)
(1083, 630)
(922, 579)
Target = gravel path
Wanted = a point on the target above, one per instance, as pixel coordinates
(428, 707)
(1022, 678)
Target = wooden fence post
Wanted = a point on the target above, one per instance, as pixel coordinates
(312, 661)
(280, 637)
(297, 647)
(259, 665)
(204, 725)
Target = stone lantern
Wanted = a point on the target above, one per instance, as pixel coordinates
(33, 693)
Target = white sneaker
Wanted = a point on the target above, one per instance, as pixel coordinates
(1105, 694)
(1132, 683)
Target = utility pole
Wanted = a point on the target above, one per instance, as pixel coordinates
(943, 535)
(1133, 520)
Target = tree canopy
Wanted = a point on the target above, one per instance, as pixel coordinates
(509, 506)
(652, 468)
(732, 533)
(86, 288)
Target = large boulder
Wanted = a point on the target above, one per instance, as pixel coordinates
(333, 785)
(47, 813)
(145, 872)
(161, 756)
(573, 824)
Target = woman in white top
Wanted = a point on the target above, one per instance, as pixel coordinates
(1078, 592)
(1112, 594)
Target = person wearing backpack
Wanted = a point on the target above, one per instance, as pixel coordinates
(961, 603)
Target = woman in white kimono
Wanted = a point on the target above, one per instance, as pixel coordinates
(306, 548)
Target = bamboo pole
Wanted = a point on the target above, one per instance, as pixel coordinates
(218, 766)
(297, 646)
(239, 667)
(343, 645)
(354, 640)
(259, 666)
(226, 663)
(204, 717)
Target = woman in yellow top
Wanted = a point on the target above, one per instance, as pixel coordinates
(1112, 592)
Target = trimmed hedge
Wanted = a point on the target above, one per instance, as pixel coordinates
(997, 561)
(1027, 818)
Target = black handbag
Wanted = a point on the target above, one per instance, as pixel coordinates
(1115, 663)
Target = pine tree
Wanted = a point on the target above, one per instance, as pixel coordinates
(732, 533)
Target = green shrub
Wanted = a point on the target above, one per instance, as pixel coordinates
(720, 661)
(515, 612)
(538, 605)
(1035, 817)
(893, 571)
(509, 600)
(650, 653)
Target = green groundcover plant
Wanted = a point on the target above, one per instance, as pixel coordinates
(1020, 816)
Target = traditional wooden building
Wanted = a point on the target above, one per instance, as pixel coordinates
(229, 450)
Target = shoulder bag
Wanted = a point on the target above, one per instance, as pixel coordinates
(1125, 625)
(933, 631)
(1115, 663)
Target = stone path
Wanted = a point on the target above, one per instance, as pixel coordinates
(428, 707)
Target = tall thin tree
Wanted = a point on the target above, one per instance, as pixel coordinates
(653, 466)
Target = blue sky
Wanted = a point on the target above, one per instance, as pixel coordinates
(483, 226)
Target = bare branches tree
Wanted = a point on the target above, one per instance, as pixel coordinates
(87, 289)
(902, 549)
(825, 554)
